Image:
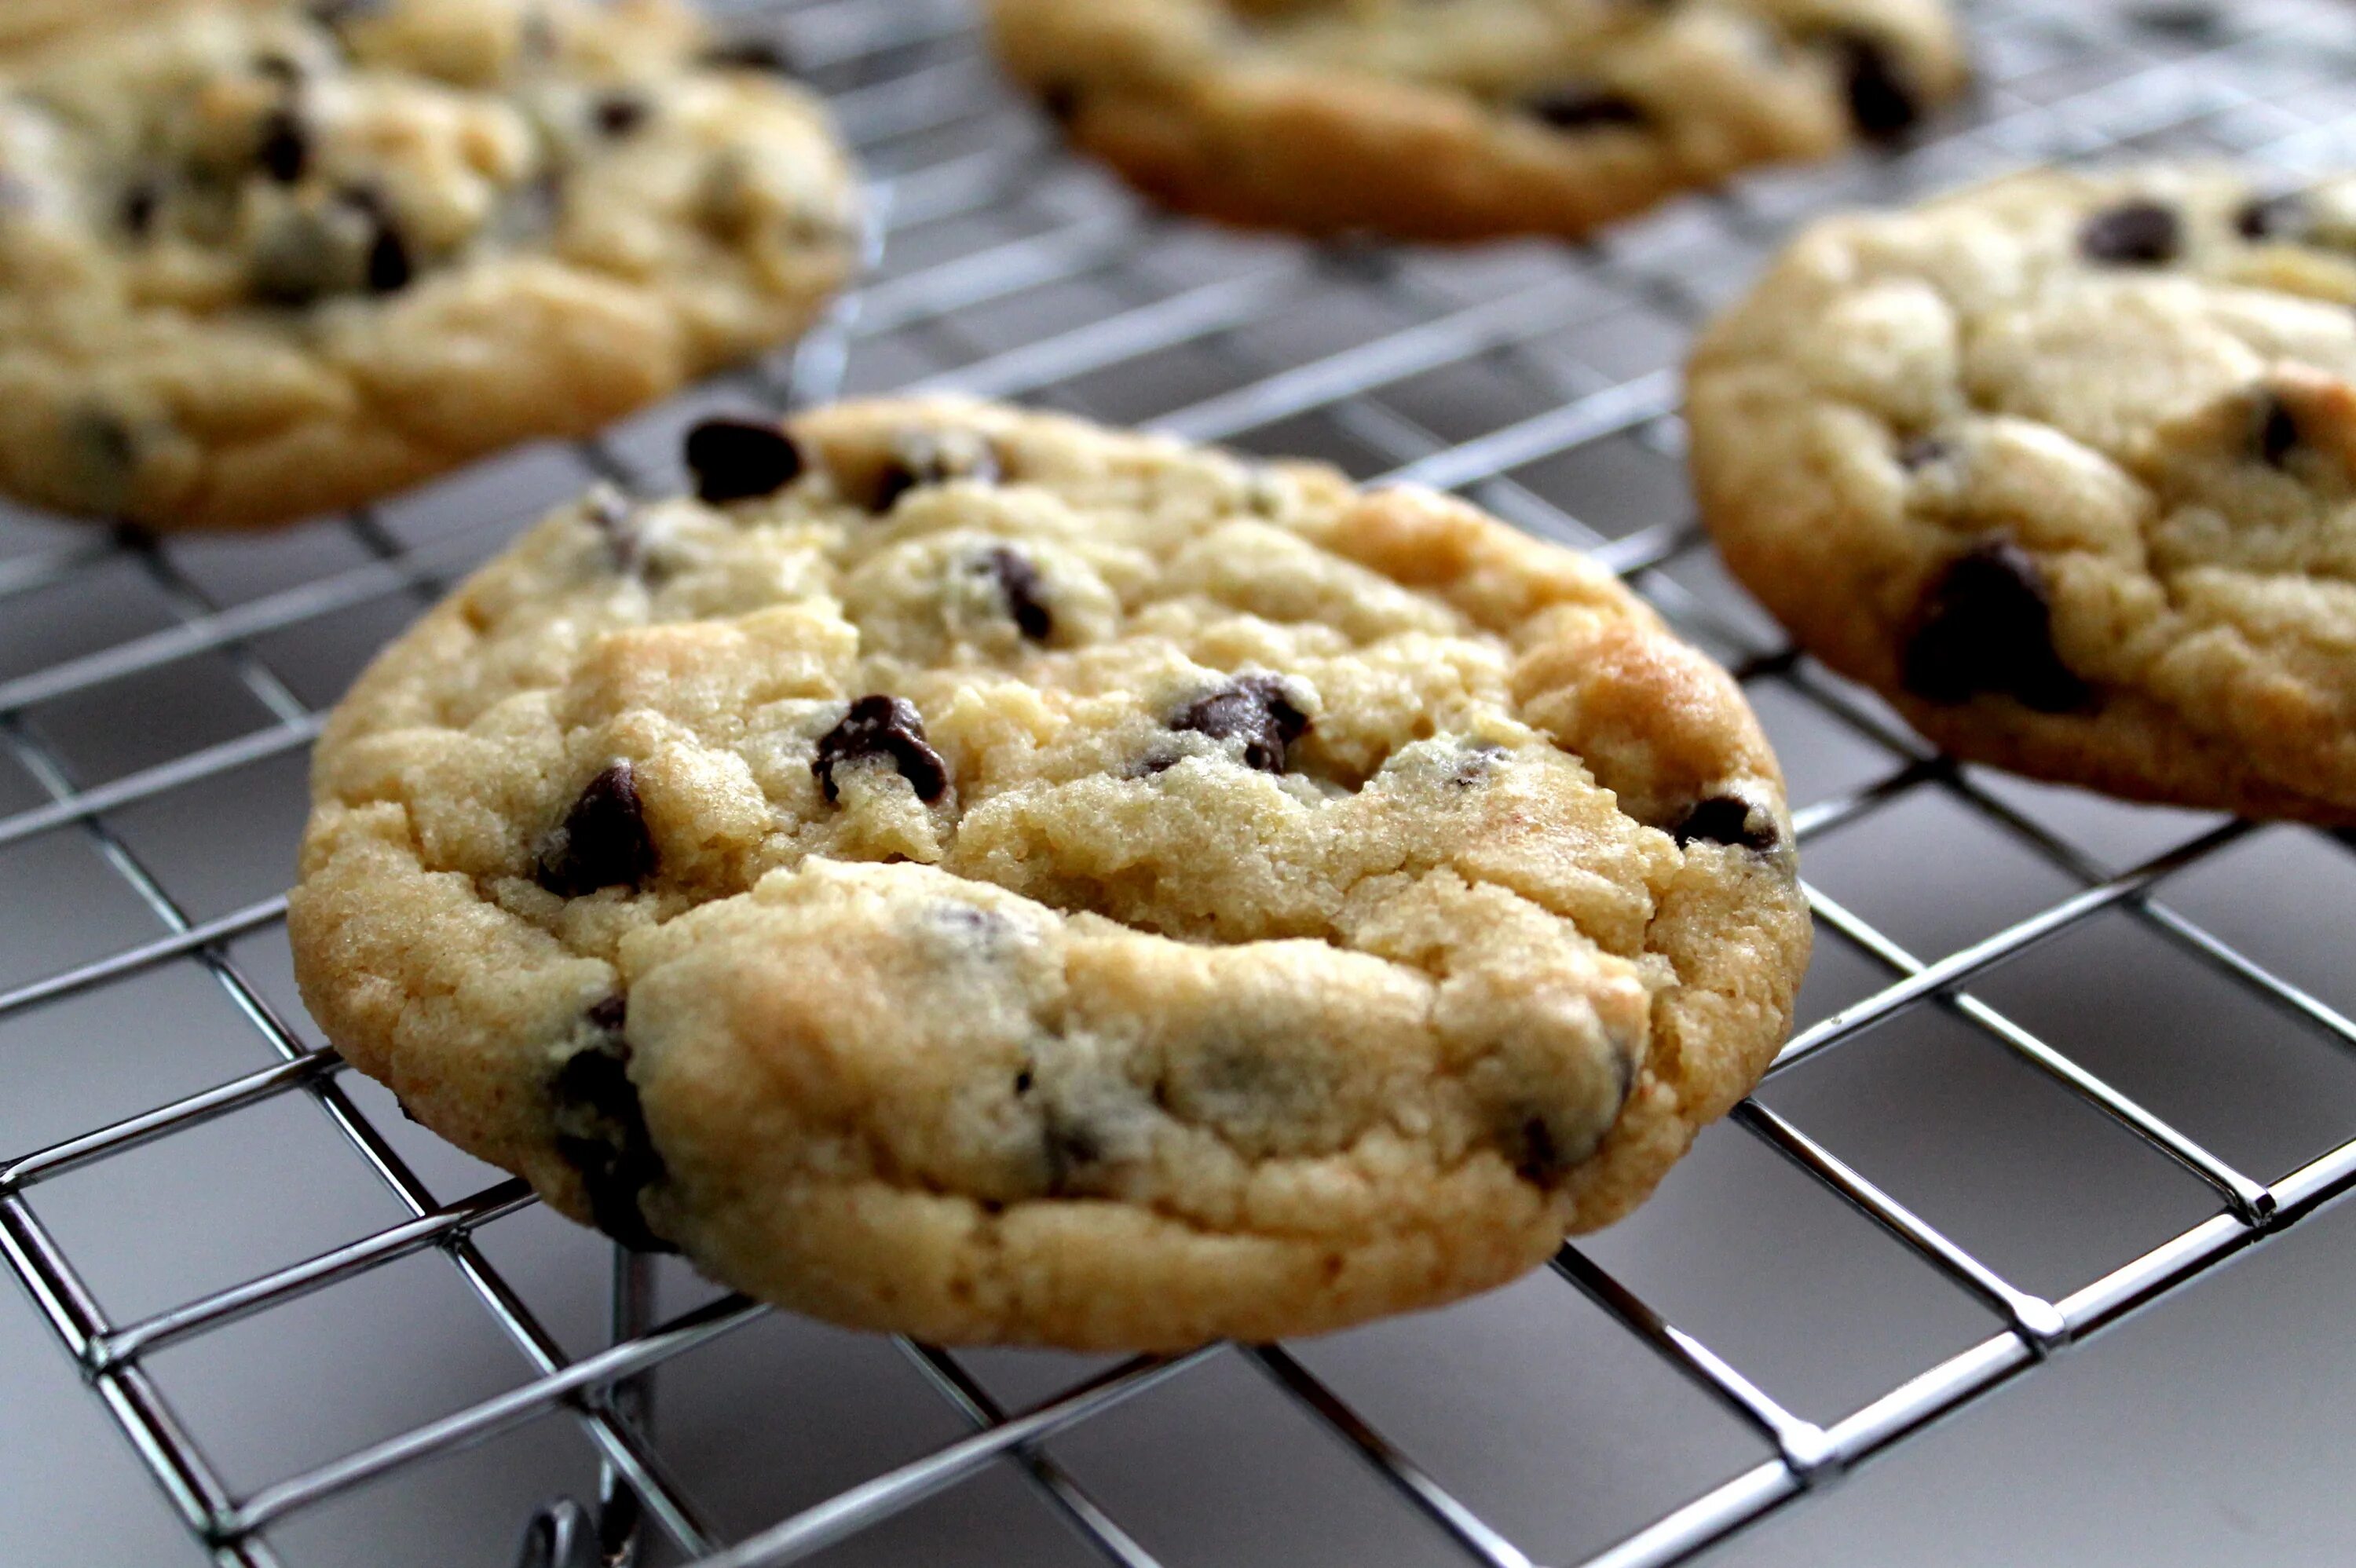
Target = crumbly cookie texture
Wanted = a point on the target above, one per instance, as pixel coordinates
(2065, 466)
(980, 875)
(1460, 119)
(263, 260)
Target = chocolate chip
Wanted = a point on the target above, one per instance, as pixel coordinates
(2287, 216)
(619, 113)
(1727, 819)
(285, 150)
(1535, 1157)
(1920, 451)
(1987, 627)
(1061, 101)
(1254, 708)
(1018, 579)
(753, 53)
(141, 203)
(880, 726)
(1022, 1082)
(601, 1132)
(921, 458)
(1580, 107)
(602, 841)
(1882, 103)
(2133, 234)
(389, 266)
(2277, 431)
(737, 460)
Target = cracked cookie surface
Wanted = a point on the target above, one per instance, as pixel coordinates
(993, 878)
(1460, 119)
(262, 260)
(2065, 466)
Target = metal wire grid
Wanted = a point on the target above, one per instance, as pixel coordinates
(948, 151)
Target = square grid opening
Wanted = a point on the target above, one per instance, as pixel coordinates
(1966, 1159)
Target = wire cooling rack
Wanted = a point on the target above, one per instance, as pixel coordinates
(1939, 1232)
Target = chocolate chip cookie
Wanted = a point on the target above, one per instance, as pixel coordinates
(973, 873)
(1460, 119)
(262, 260)
(2065, 467)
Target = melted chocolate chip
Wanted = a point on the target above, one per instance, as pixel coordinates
(1255, 708)
(2277, 430)
(2133, 234)
(601, 1132)
(141, 203)
(389, 267)
(1577, 107)
(602, 841)
(1535, 1156)
(1987, 627)
(738, 460)
(1882, 103)
(1725, 819)
(880, 726)
(753, 53)
(1018, 579)
(285, 150)
(620, 113)
(2285, 216)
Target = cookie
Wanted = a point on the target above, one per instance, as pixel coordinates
(2063, 467)
(260, 261)
(1460, 119)
(972, 873)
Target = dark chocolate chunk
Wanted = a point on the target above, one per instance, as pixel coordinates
(601, 1132)
(2277, 431)
(602, 841)
(2285, 216)
(1987, 627)
(1882, 103)
(284, 149)
(1583, 107)
(753, 53)
(1018, 579)
(1255, 708)
(737, 460)
(141, 203)
(1725, 819)
(389, 266)
(619, 113)
(2133, 234)
(880, 726)
(1535, 1157)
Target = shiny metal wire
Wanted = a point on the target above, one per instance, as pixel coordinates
(905, 77)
